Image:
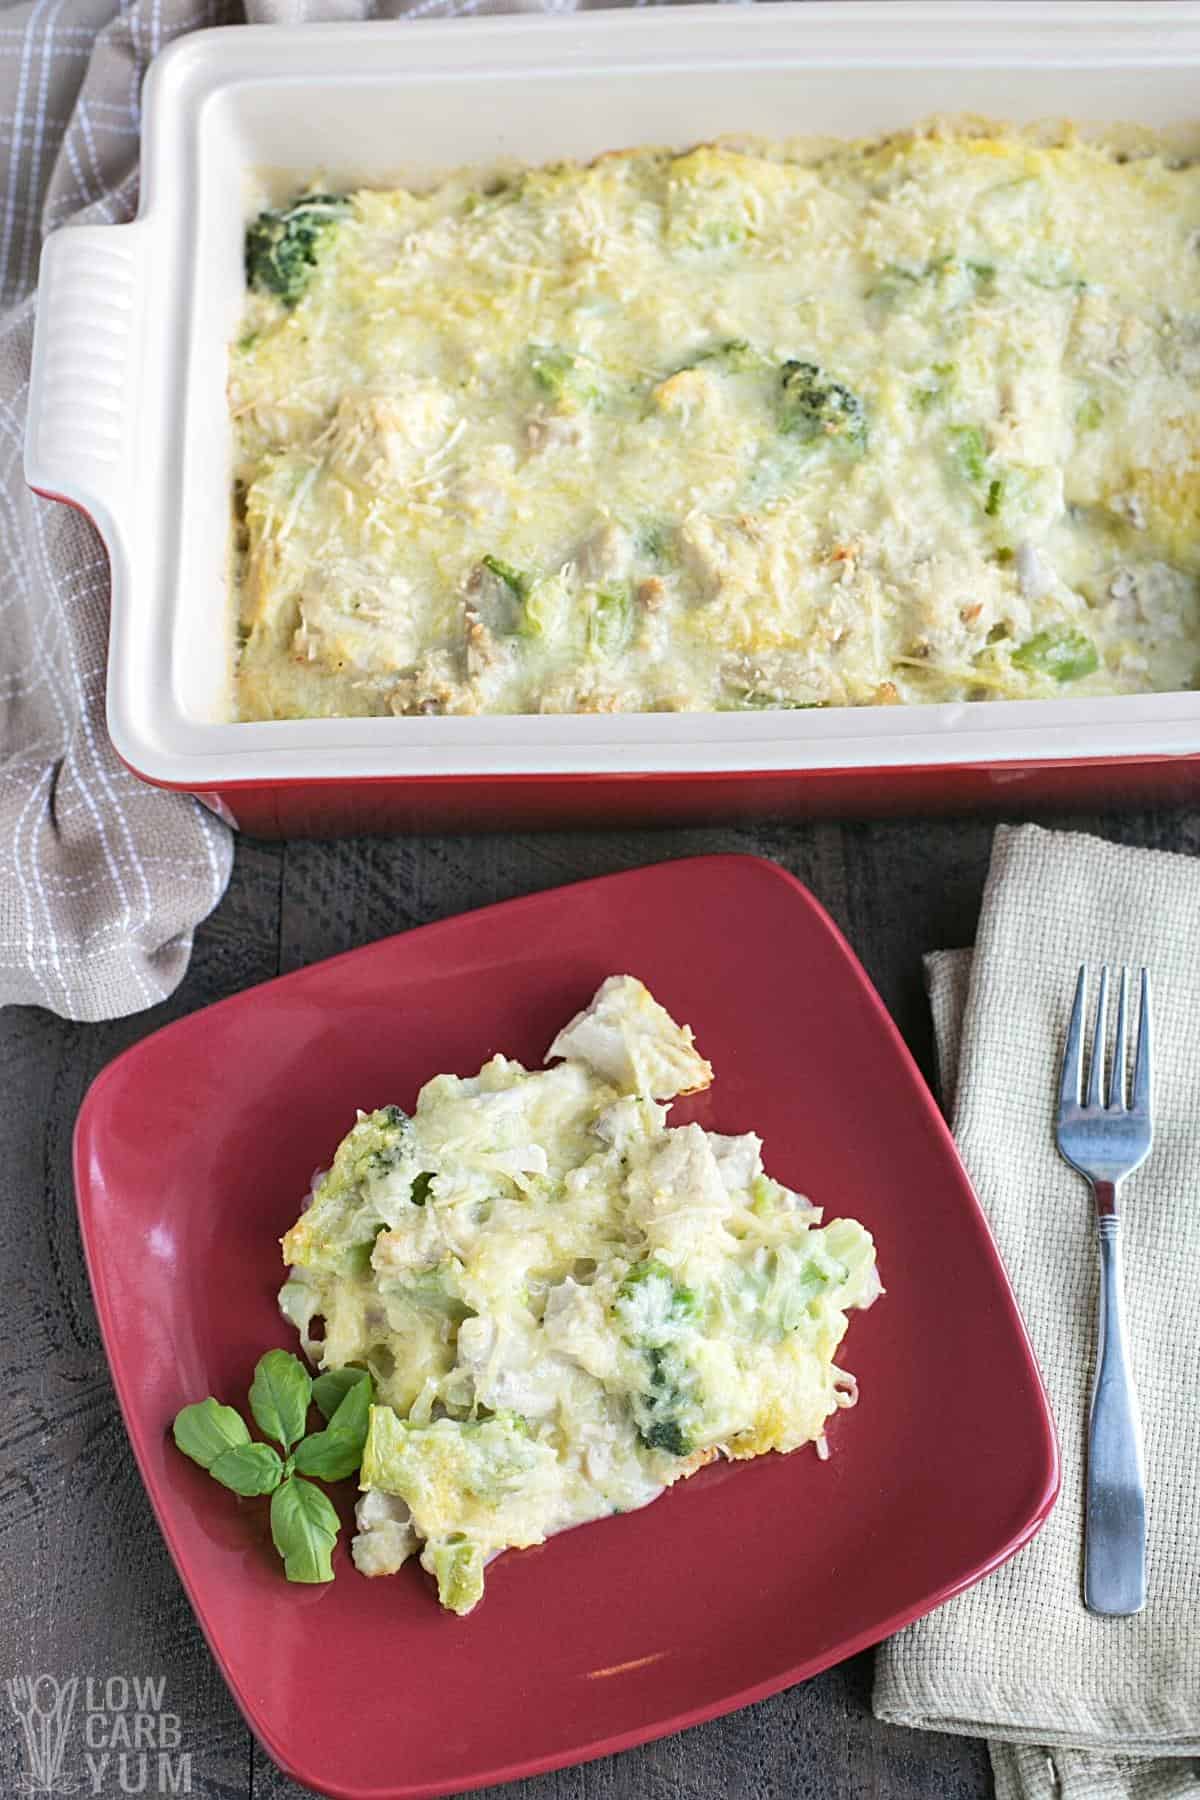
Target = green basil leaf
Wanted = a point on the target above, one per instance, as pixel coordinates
(336, 1452)
(279, 1396)
(354, 1412)
(328, 1456)
(304, 1527)
(331, 1388)
(248, 1469)
(205, 1430)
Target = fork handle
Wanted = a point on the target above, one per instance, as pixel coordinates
(1114, 1575)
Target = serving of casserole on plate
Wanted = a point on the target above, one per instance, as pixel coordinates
(747, 426)
(564, 1304)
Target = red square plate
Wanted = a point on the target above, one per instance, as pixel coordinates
(193, 1151)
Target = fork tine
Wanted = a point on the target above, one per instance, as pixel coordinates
(1142, 1074)
(1095, 1085)
(1116, 1079)
(1070, 1083)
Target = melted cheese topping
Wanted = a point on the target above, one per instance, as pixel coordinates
(742, 427)
(565, 1304)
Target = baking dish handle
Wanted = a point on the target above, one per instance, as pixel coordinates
(83, 389)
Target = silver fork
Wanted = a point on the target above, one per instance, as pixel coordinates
(1106, 1140)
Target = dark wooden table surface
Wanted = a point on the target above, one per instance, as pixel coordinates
(87, 1587)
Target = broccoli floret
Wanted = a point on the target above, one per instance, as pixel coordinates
(816, 410)
(610, 621)
(653, 1309)
(1090, 413)
(378, 1144)
(943, 374)
(456, 1564)
(665, 1411)
(566, 376)
(766, 1195)
(651, 1304)
(373, 1148)
(282, 247)
(897, 284)
(655, 541)
(1061, 651)
(969, 452)
(517, 584)
(972, 464)
(343, 1216)
(508, 602)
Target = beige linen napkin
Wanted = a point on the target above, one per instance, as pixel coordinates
(1076, 1707)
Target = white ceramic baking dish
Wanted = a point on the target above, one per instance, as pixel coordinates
(128, 416)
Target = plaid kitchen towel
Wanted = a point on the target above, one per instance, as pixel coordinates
(1076, 1707)
(102, 880)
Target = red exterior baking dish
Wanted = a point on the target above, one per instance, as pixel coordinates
(737, 1583)
(128, 416)
(523, 802)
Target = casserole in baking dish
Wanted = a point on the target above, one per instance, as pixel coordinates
(140, 435)
(752, 425)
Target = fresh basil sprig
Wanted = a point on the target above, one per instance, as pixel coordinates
(304, 1524)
